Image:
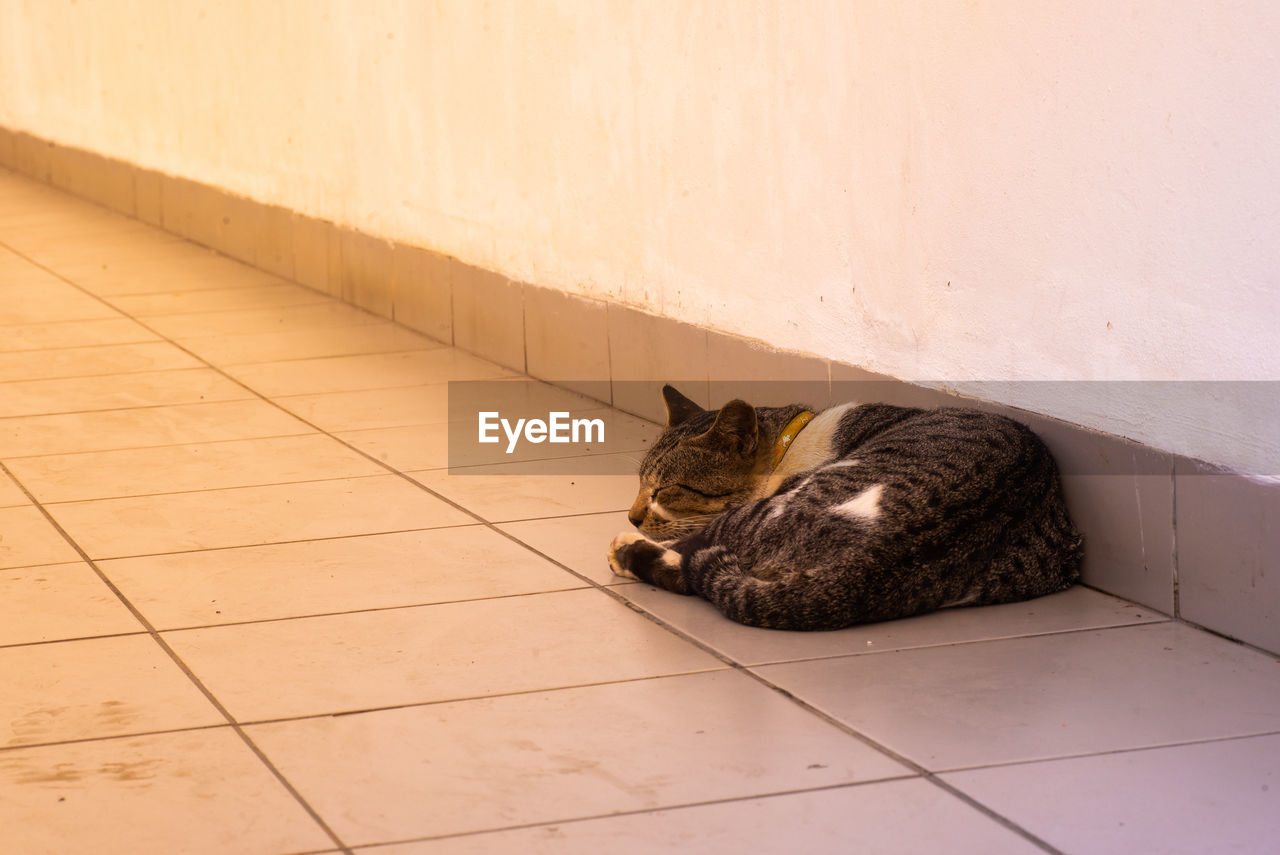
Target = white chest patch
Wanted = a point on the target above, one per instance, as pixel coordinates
(865, 506)
(811, 448)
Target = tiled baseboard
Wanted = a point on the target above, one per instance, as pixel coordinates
(1161, 530)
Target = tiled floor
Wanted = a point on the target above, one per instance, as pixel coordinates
(245, 609)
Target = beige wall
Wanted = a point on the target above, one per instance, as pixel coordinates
(941, 191)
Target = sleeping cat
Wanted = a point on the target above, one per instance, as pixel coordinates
(791, 520)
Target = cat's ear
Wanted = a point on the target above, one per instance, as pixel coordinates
(679, 408)
(735, 429)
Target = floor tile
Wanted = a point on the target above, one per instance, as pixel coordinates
(201, 792)
(247, 516)
(16, 270)
(76, 234)
(1185, 800)
(306, 344)
(27, 539)
(552, 756)
(578, 542)
(247, 296)
(443, 652)
(901, 817)
(329, 576)
(1077, 693)
(406, 448)
(49, 227)
(144, 427)
(93, 688)
(11, 495)
(365, 371)
(186, 468)
(161, 268)
(118, 391)
(102, 331)
(1075, 609)
(145, 251)
(49, 301)
(93, 361)
(372, 408)
(59, 601)
(499, 496)
(325, 315)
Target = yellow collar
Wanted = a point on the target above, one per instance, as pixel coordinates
(789, 433)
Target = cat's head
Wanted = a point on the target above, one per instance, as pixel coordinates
(703, 463)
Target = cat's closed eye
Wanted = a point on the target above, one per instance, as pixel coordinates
(674, 490)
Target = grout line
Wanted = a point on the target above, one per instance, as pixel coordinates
(177, 660)
(10, 747)
(121, 373)
(524, 329)
(586, 455)
(101, 346)
(155, 447)
(557, 516)
(349, 306)
(224, 441)
(514, 693)
(608, 355)
(1217, 633)
(372, 610)
(137, 406)
(1109, 752)
(176, 291)
(1076, 630)
(640, 811)
(1173, 538)
(272, 542)
(128, 496)
(44, 642)
(434, 347)
(150, 313)
(344, 713)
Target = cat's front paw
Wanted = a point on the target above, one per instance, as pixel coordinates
(635, 556)
(619, 550)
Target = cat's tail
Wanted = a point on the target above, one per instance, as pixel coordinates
(788, 600)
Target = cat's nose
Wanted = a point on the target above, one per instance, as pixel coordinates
(639, 509)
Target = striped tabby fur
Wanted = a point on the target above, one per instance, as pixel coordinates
(875, 512)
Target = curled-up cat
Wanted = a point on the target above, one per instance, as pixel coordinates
(787, 519)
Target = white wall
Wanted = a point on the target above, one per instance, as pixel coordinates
(938, 190)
